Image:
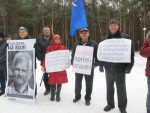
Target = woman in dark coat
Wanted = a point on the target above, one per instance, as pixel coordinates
(145, 52)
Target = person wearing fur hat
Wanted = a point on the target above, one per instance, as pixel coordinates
(145, 52)
(3, 47)
(115, 72)
(56, 79)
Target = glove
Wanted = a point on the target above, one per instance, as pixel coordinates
(34, 46)
(43, 69)
(101, 69)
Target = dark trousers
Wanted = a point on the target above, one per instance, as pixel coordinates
(148, 96)
(55, 89)
(118, 78)
(45, 79)
(2, 80)
(88, 83)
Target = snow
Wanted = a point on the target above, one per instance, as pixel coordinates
(136, 84)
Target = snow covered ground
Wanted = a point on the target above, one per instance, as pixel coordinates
(136, 91)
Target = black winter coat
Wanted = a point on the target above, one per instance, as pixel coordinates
(90, 43)
(27, 37)
(118, 67)
(3, 46)
(40, 48)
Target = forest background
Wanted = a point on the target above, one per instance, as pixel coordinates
(133, 15)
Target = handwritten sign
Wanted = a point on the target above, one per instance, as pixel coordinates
(20, 45)
(83, 60)
(115, 50)
(57, 61)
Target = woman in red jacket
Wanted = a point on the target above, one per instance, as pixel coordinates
(145, 52)
(56, 79)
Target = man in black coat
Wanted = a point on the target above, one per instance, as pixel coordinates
(40, 50)
(3, 47)
(23, 33)
(84, 41)
(115, 72)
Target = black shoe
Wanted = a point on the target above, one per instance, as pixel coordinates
(1, 93)
(58, 99)
(87, 103)
(108, 108)
(46, 92)
(75, 100)
(123, 111)
(52, 99)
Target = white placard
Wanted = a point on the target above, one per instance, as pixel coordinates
(115, 50)
(21, 45)
(83, 60)
(21, 79)
(57, 61)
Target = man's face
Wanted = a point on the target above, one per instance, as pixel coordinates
(46, 31)
(23, 34)
(84, 35)
(113, 28)
(21, 71)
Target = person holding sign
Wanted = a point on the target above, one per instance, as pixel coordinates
(23, 33)
(115, 71)
(56, 79)
(81, 59)
(145, 52)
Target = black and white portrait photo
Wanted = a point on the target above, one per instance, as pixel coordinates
(21, 73)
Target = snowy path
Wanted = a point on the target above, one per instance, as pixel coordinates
(136, 91)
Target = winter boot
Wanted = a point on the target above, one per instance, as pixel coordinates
(58, 92)
(53, 88)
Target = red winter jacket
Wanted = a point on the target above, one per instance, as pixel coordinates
(145, 52)
(56, 77)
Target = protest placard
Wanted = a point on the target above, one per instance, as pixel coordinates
(57, 61)
(115, 50)
(83, 60)
(21, 79)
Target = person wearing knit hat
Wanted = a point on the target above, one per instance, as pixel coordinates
(115, 72)
(114, 21)
(23, 33)
(114, 27)
(23, 29)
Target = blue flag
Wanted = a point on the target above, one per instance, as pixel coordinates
(78, 18)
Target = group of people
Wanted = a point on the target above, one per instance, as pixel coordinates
(115, 72)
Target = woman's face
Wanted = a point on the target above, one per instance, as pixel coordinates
(57, 39)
